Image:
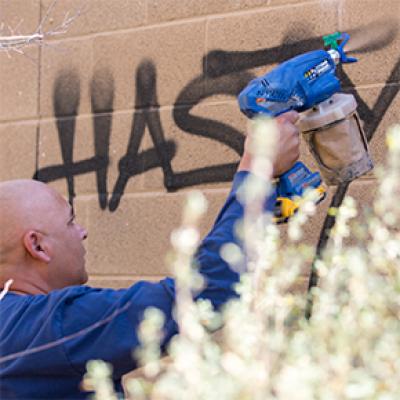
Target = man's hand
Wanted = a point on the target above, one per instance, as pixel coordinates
(288, 146)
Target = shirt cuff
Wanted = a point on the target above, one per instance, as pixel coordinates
(240, 178)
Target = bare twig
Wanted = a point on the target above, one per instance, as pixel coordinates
(15, 42)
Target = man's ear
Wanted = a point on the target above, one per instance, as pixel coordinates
(36, 246)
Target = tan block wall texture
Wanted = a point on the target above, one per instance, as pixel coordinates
(136, 104)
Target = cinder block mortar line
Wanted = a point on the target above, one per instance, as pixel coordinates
(101, 277)
(364, 180)
(186, 21)
(146, 12)
(268, 8)
(19, 121)
(341, 6)
(361, 181)
(378, 85)
(369, 178)
(154, 194)
(38, 109)
(206, 47)
(120, 111)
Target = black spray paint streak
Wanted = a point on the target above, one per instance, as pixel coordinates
(102, 98)
(66, 98)
(134, 163)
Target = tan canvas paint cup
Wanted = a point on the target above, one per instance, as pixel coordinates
(335, 136)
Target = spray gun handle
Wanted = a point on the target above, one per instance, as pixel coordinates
(291, 188)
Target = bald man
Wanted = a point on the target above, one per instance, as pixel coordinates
(51, 324)
(41, 246)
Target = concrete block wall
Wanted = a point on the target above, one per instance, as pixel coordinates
(136, 104)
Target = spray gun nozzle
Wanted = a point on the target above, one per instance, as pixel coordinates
(331, 41)
(336, 42)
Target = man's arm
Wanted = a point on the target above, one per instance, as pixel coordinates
(220, 278)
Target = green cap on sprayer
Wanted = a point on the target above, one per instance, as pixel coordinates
(331, 41)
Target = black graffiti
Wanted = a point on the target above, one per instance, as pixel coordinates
(102, 99)
(223, 73)
(66, 97)
(66, 103)
(134, 163)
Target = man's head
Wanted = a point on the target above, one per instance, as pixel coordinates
(40, 242)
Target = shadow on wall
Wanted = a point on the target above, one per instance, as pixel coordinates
(223, 73)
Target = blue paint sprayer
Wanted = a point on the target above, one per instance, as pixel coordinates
(328, 121)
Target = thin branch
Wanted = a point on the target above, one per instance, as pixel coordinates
(15, 42)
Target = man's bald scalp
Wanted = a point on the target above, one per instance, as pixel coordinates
(23, 205)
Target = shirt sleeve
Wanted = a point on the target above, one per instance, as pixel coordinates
(103, 322)
(219, 277)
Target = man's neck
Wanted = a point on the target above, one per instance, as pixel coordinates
(24, 288)
(26, 280)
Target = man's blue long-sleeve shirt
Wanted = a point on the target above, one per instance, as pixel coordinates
(46, 340)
